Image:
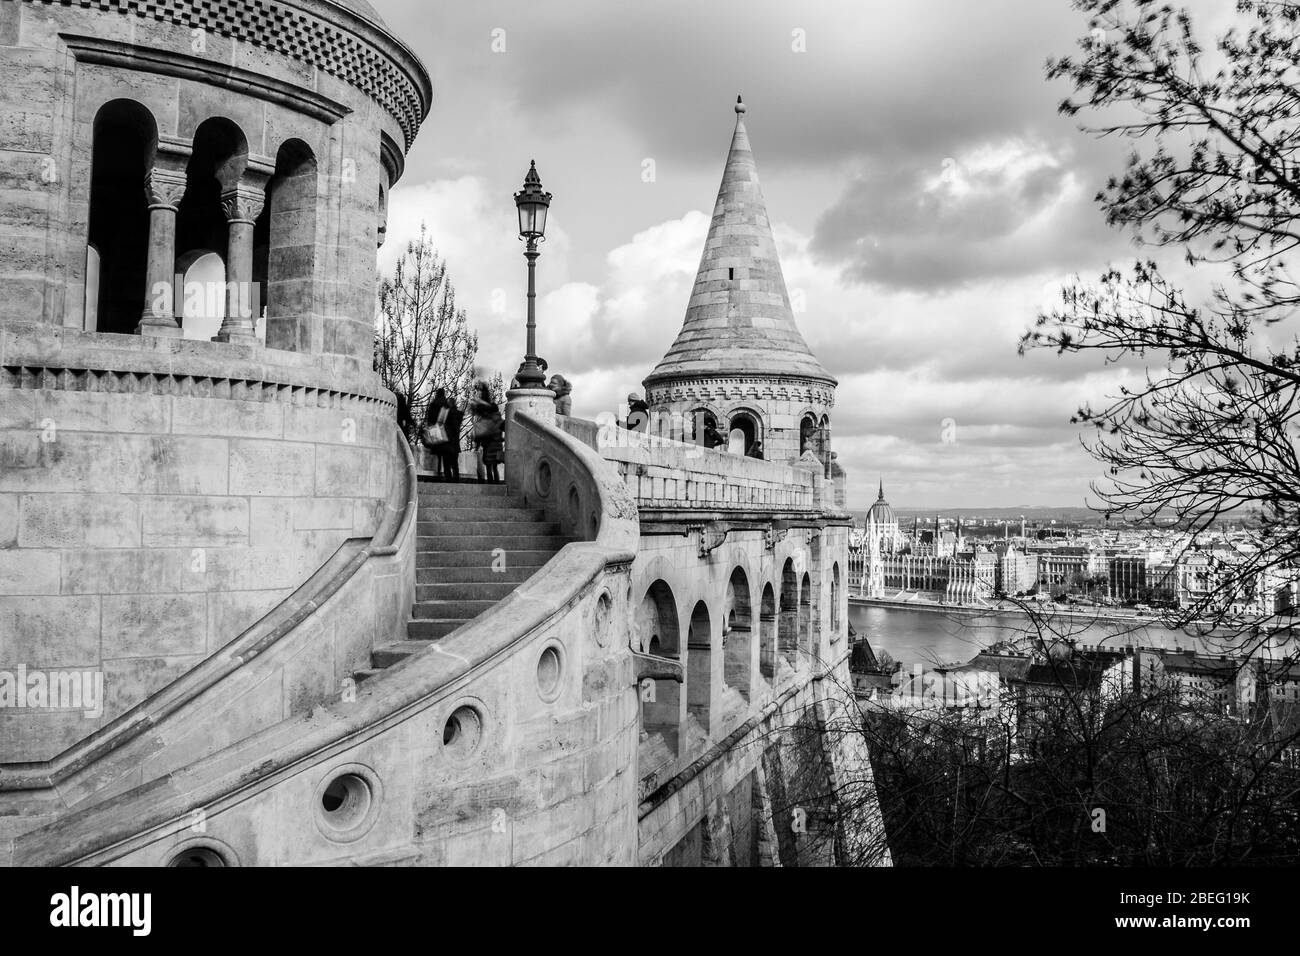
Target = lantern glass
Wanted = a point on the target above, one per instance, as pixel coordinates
(532, 218)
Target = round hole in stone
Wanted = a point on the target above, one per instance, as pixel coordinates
(543, 478)
(461, 733)
(549, 668)
(575, 504)
(602, 619)
(198, 856)
(346, 801)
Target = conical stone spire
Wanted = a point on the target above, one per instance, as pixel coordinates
(739, 320)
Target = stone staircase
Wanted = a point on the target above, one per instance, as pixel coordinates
(474, 545)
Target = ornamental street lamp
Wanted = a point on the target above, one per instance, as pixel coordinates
(532, 204)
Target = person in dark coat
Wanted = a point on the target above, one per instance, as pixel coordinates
(489, 431)
(638, 413)
(436, 413)
(712, 437)
(494, 447)
(449, 451)
(405, 423)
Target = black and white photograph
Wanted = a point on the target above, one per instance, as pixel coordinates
(825, 435)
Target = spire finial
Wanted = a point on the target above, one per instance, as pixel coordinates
(882, 488)
(740, 106)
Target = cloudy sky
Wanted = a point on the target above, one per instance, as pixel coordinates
(927, 200)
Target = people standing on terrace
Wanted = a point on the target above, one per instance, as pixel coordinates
(563, 398)
(489, 431)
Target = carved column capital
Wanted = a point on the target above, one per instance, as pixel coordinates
(164, 188)
(243, 203)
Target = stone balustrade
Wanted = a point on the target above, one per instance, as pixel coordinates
(662, 473)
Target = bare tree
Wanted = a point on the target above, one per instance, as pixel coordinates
(423, 342)
(1210, 430)
(1075, 760)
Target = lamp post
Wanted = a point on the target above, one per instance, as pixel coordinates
(532, 203)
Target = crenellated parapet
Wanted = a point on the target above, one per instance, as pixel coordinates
(345, 41)
(726, 390)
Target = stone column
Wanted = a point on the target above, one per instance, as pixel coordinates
(538, 402)
(242, 205)
(163, 189)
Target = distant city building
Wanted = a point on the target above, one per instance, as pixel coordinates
(1062, 573)
(971, 578)
(1017, 572)
(1126, 578)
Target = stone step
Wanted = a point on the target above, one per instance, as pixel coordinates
(431, 509)
(516, 556)
(463, 591)
(487, 542)
(512, 574)
(390, 654)
(431, 529)
(471, 499)
(430, 630)
(463, 609)
(463, 532)
(462, 489)
(439, 515)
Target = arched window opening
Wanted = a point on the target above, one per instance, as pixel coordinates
(656, 632)
(837, 596)
(664, 423)
(218, 159)
(123, 145)
(736, 642)
(699, 674)
(284, 241)
(767, 634)
(746, 435)
(806, 615)
(702, 429)
(808, 434)
(203, 293)
(787, 633)
(824, 443)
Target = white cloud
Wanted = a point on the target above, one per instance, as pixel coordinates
(906, 362)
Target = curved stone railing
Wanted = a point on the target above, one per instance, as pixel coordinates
(667, 474)
(571, 482)
(226, 698)
(429, 739)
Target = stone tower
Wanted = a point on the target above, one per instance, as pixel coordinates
(195, 197)
(739, 361)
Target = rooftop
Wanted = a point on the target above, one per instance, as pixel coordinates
(739, 319)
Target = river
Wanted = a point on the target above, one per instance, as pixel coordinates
(915, 636)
